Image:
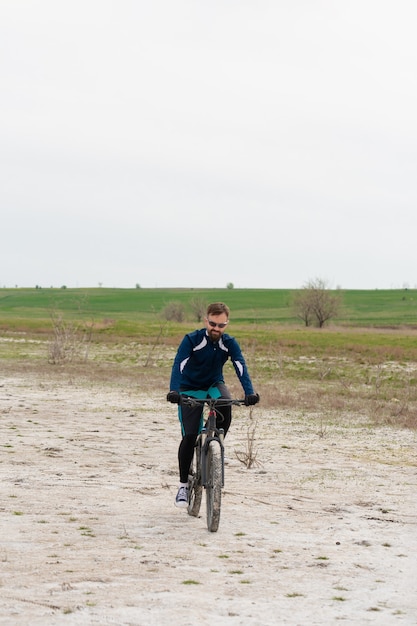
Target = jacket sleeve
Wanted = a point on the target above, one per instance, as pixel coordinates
(240, 367)
(183, 354)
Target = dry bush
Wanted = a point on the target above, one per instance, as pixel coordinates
(174, 312)
(71, 340)
(249, 456)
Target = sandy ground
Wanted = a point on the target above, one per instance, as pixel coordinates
(323, 531)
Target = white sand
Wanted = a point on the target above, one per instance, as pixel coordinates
(323, 531)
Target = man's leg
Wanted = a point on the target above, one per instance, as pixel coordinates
(225, 418)
(185, 456)
(191, 422)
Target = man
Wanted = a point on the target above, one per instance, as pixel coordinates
(198, 371)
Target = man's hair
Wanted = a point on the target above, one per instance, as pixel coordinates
(217, 308)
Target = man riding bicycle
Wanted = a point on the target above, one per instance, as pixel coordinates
(198, 371)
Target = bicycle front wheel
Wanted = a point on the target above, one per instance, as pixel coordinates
(214, 486)
(195, 488)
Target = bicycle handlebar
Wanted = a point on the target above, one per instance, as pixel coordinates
(214, 402)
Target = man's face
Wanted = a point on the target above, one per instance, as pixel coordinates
(216, 325)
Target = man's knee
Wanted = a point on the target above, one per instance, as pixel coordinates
(187, 444)
(225, 419)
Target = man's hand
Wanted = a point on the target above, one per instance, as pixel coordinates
(251, 399)
(174, 397)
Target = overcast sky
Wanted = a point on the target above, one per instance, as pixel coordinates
(191, 143)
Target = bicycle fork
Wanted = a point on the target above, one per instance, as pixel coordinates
(205, 442)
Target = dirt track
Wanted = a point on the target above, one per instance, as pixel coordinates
(325, 530)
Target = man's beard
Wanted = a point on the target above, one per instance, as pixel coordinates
(214, 334)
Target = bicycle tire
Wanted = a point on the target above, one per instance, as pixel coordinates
(195, 488)
(214, 486)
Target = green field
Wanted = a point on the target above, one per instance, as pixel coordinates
(373, 324)
(373, 308)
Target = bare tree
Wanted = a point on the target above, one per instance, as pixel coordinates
(316, 302)
(199, 307)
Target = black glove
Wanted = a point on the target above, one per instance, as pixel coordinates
(251, 399)
(174, 397)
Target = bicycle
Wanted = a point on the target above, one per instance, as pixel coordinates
(207, 467)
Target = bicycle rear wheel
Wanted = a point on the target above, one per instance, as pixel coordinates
(214, 486)
(195, 488)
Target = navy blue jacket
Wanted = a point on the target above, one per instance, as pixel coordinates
(199, 362)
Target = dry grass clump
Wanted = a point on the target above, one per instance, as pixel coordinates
(249, 456)
(384, 393)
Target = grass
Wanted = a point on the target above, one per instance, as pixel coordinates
(125, 309)
(342, 370)
(86, 531)
(190, 582)
(375, 388)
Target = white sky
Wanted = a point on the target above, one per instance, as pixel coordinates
(176, 143)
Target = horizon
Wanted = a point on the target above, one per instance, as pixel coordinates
(224, 288)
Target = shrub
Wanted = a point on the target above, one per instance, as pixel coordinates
(174, 312)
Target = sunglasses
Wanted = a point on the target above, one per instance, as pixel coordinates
(214, 324)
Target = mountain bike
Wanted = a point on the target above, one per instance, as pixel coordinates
(207, 468)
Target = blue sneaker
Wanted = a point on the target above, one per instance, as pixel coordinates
(181, 501)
